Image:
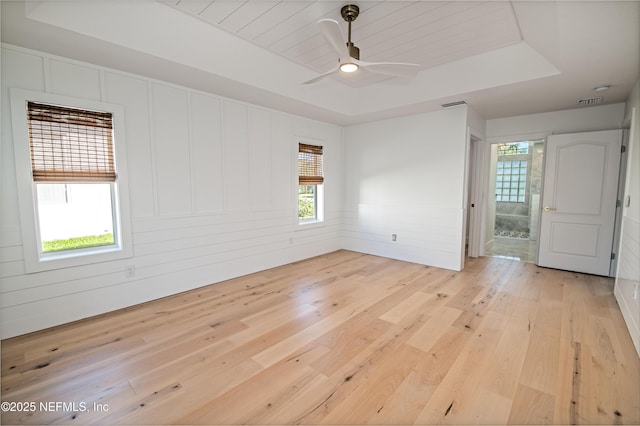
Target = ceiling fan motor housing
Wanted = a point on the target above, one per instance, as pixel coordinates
(350, 12)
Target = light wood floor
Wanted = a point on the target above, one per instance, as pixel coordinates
(344, 338)
(513, 248)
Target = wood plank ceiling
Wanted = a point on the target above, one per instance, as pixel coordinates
(424, 32)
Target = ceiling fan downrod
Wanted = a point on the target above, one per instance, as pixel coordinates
(349, 13)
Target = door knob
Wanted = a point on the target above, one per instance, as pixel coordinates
(548, 209)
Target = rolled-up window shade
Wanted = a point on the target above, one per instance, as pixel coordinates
(70, 145)
(310, 164)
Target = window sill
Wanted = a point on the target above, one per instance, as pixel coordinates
(75, 258)
(310, 225)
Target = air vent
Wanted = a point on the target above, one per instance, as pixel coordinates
(450, 104)
(597, 100)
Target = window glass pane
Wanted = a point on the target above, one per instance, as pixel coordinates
(511, 176)
(307, 204)
(514, 148)
(75, 216)
(523, 147)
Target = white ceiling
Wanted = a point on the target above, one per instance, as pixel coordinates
(503, 58)
(426, 33)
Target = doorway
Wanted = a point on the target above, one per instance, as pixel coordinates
(516, 170)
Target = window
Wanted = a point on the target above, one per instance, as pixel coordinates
(73, 170)
(71, 193)
(511, 173)
(513, 148)
(310, 180)
(511, 181)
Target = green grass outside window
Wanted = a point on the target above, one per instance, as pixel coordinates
(78, 243)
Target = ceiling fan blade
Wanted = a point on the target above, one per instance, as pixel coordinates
(331, 31)
(321, 76)
(395, 69)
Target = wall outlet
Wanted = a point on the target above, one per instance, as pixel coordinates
(394, 237)
(635, 291)
(130, 271)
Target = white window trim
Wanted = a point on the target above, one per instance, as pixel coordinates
(34, 260)
(319, 221)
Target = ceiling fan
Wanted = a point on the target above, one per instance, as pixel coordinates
(349, 53)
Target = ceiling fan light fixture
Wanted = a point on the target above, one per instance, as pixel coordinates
(602, 88)
(348, 67)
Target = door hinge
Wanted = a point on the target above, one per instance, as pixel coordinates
(623, 149)
(617, 203)
(613, 256)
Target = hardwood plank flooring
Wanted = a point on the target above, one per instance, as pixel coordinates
(343, 338)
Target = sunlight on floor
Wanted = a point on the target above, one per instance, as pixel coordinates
(513, 248)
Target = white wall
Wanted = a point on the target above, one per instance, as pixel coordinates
(476, 125)
(406, 176)
(588, 119)
(628, 272)
(212, 193)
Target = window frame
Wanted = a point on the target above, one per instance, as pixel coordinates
(34, 258)
(319, 188)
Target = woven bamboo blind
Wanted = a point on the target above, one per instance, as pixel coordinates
(70, 145)
(310, 164)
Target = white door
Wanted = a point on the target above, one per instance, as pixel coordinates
(579, 201)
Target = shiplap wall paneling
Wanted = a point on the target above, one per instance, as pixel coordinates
(133, 94)
(422, 232)
(170, 112)
(628, 273)
(207, 165)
